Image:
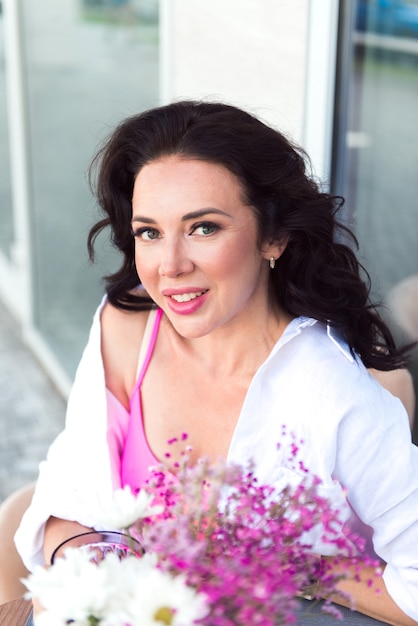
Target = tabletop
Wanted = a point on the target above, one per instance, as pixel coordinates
(15, 613)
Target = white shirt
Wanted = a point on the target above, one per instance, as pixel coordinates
(355, 435)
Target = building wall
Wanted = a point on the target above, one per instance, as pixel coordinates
(246, 52)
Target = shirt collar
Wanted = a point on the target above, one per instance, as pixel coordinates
(298, 324)
(337, 340)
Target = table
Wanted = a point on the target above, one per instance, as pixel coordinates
(15, 613)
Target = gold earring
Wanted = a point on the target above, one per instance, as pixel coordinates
(272, 262)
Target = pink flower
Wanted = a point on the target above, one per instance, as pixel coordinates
(242, 544)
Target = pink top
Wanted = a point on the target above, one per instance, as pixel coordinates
(128, 446)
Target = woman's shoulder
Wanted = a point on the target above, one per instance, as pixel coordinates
(317, 343)
(122, 332)
(353, 373)
(318, 359)
(117, 320)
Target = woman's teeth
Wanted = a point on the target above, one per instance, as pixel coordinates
(186, 297)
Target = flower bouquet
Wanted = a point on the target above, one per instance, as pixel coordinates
(220, 549)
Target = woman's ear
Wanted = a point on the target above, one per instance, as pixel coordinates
(274, 250)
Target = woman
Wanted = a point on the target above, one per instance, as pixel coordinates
(250, 314)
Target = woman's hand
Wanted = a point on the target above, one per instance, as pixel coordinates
(37, 607)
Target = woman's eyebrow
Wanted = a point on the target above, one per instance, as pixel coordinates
(202, 212)
(144, 220)
(188, 216)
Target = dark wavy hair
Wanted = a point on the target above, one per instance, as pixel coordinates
(317, 276)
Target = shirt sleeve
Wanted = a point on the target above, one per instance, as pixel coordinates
(378, 465)
(75, 480)
(353, 435)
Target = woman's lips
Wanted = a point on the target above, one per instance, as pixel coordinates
(186, 297)
(185, 302)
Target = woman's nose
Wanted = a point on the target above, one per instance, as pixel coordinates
(175, 260)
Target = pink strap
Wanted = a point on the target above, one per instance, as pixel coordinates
(137, 457)
(149, 350)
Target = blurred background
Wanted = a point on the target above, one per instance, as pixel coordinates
(340, 77)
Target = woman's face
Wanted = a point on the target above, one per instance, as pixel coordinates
(196, 245)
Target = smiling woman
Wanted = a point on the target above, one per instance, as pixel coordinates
(236, 312)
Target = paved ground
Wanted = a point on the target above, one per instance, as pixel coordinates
(31, 409)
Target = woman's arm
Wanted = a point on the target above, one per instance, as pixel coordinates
(77, 475)
(371, 599)
(375, 600)
(399, 383)
(58, 530)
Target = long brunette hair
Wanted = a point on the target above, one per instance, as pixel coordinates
(318, 275)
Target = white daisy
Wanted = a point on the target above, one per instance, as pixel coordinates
(126, 507)
(161, 599)
(73, 588)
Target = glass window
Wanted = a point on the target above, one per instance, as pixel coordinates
(376, 150)
(6, 215)
(88, 64)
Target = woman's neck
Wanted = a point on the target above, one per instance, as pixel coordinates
(233, 348)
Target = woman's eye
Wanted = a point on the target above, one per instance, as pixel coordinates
(205, 229)
(146, 234)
